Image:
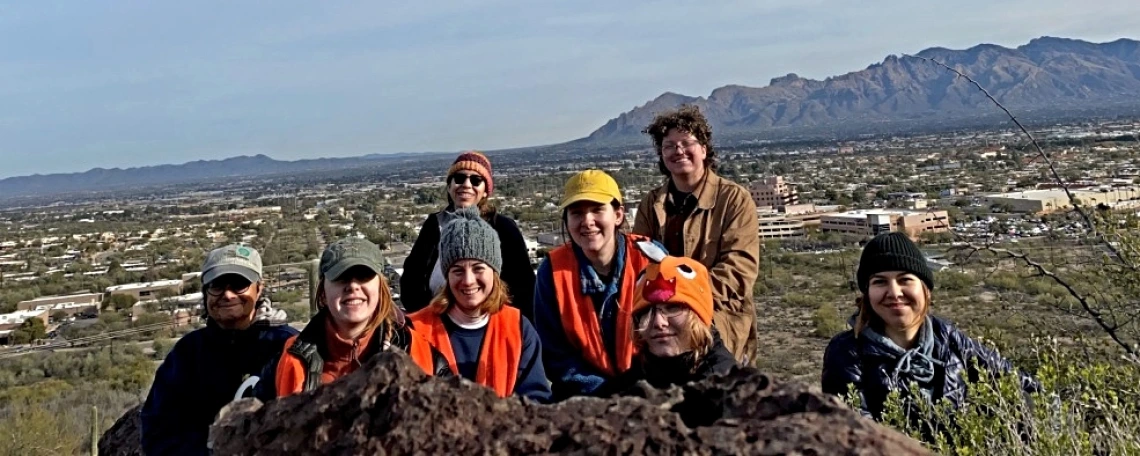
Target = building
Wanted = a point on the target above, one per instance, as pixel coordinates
(1046, 201)
(773, 192)
(875, 221)
(780, 227)
(82, 299)
(10, 321)
(147, 290)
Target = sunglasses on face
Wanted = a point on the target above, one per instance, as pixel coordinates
(236, 284)
(460, 178)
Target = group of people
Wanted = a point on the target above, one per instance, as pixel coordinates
(668, 302)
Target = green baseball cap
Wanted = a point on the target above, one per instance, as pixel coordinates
(238, 259)
(350, 252)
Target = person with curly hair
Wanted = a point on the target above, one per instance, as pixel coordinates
(697, 214)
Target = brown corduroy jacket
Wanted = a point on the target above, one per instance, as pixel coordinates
(723, 233)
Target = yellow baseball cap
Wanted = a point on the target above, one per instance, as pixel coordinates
(590, 185)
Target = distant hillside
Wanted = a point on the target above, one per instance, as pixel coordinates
(1047, 77)
(201, 170)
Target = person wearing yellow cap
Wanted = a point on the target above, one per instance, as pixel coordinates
(469, 184)
(700, 215)
(584, 292)
(673, 329)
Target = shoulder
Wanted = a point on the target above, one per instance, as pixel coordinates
(732, 191)
(945, 331)
(278, 333)
(842, 348)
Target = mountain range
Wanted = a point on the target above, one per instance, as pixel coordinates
(1047, 77)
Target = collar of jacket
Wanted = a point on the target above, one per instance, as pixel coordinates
(705, 192)
(591, 282)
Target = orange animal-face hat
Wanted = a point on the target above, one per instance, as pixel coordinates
(676, 280)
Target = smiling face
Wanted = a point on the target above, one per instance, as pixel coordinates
(231, 300)
(464, 191)
(352, 298)
(471, 283)
(683, 154)
(899, 299)
(592, 226)
(664, 328)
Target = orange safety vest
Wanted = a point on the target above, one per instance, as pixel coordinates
(580, 320)
(500, 356)
(292, 370)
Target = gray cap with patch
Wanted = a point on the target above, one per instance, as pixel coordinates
(238, 259)
(346, 253)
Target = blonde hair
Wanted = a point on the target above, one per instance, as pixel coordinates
(495, 301)
(385, 308)
(868, 317)
(699, 335)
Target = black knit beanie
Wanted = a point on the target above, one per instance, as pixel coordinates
(892, 252)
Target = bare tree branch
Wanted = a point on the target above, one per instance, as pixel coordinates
(1097, 316)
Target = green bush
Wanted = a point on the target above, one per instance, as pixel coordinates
(827, 321)
(1084, 408)
(162, 347)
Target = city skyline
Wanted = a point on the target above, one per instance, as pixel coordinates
(123, 85)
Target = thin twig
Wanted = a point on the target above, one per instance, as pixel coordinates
(1097, 316)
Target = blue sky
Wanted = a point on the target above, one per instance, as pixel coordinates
(124, 83)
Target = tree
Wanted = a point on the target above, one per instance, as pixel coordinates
(58, 316)
(119, 302)
(31, 330)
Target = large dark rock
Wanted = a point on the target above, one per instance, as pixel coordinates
(124, 438)
(391, 407)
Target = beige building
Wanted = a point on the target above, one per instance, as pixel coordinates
(70, 301)
(876, 221)
(780, 227)
(773, 192)
(1050, 200)
(147, 290)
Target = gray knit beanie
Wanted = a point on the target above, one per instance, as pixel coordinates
(468, 236)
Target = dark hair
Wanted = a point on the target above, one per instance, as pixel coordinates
(687, 119)
(620, 228)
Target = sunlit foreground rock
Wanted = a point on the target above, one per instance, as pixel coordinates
(391, 407)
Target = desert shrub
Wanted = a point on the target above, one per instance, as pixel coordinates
(793, 299)
(955, 281)
(1083, 408)
(827, 321)
(162, 347)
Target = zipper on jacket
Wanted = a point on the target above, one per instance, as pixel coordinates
(352, 356)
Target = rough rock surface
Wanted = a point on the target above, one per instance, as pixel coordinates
(391, 407)
(123, 438)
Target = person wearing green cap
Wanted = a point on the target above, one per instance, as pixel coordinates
(212, 362)
(584, 292)
(356, 320)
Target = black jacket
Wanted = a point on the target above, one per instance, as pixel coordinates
(678, 370)
(199, 376)
(867, 365)
(311, 349)
(517, 273)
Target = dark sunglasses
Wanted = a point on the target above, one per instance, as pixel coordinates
(460, 178)
(237, 284)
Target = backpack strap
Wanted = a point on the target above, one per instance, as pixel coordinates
(307, 353)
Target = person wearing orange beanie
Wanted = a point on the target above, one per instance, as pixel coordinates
(673, 329)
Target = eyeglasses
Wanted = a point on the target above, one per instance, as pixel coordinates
(669, 311)
(673, 147)
(460, 179)
(236, 284)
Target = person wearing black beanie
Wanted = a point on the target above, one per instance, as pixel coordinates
(896, 343)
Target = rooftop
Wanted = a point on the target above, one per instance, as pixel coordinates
(144, 285)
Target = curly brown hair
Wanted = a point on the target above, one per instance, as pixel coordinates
(688, 119)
